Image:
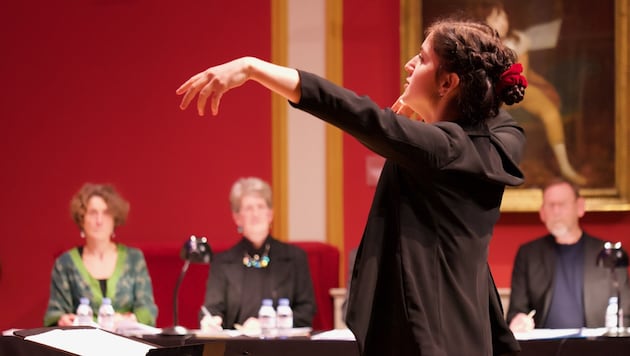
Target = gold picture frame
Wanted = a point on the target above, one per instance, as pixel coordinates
(612, 197)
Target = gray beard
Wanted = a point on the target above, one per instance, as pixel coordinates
(558, 230)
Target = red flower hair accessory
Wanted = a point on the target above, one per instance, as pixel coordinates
(512, 76)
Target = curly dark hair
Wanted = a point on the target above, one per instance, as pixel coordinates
(474, 51)
(116, 204)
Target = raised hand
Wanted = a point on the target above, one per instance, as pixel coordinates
(400, 108)
(213, 83)
(216, 81)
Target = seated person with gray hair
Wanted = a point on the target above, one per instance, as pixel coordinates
(258, 267)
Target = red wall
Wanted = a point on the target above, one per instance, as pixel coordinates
(89, 95)
(371, 67)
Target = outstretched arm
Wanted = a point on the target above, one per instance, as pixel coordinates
(216, 81)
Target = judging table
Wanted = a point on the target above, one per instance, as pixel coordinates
(601, 346)
(304, 346)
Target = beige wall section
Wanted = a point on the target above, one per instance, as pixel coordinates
(306, 135)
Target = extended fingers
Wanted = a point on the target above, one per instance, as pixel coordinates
(400, 108)
(403, 110)
(189, 83)
(210, 84)
(189, 90)
(213, 90)
(199, 84)
(214, 104)
(182, 89)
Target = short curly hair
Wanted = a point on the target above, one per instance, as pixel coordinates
(118, 207)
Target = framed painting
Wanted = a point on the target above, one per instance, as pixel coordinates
(575, 112)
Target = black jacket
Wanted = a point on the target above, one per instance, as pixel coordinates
(533, 274)
(288, 274)
(421, 283)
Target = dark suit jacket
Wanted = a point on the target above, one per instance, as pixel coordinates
(533, 274)
(289, 274)
(421, 283)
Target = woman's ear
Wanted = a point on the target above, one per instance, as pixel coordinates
(237, 219)
(448, 82)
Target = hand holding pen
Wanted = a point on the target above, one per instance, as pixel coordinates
(210, 322)
(523, 322)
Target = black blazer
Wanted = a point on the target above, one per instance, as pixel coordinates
(421, 284)
(533, 274)
(288, 271)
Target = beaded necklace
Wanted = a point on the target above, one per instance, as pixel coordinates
(257, 261)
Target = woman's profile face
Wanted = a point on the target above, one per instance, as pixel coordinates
(254, 216)
(421, 91)
(98, 222)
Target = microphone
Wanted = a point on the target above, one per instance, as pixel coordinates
(195, 250)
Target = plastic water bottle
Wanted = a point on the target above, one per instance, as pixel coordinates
(284, 318)
(267, 319)
(106, 315)
(85, 315)
(612, 312)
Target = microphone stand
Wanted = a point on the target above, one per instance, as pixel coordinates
(620, 330)
(195, 250)
(177, 329)
(614, 256)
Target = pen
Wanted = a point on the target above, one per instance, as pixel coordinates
(205, 311)
(531, 313)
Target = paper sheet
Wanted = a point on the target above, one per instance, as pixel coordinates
(336, 334)
(228, 333)
(134, 328)
(93, 342)
(538, 334)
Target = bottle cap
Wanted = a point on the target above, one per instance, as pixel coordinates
(268, 302)
(84, 300)
(283, 301)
